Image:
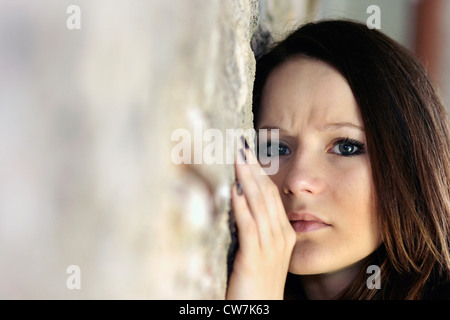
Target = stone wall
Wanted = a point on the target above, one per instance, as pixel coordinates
(91, 203)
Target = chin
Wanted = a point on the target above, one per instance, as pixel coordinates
(310, 268)
(311, 259)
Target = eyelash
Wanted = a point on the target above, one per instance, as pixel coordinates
(359, 145)
(280, 145)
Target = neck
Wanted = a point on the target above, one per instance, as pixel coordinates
(326, 286)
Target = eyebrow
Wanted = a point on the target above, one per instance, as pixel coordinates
(337, 125)
(328, 126)
(274, 127)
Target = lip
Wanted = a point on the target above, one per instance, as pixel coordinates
(306, 222)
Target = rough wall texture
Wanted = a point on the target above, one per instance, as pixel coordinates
(282, 16)
(86, 118)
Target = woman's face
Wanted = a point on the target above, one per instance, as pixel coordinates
(324, 175)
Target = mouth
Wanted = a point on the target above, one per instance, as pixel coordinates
(305, 222)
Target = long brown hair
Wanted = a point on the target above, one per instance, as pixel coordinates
(408, 142)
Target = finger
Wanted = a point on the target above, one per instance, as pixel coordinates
(247, 230)
(288, 233)
(269, 190)
(283, 233)
(256, 202)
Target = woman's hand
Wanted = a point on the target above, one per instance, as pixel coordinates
(266, 238)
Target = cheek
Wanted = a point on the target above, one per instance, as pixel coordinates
(352, 193)
(353, 199)
(279, 177)
(349, 202)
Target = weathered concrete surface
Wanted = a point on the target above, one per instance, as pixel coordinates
(86, 118)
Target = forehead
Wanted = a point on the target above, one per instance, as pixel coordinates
(307, 90)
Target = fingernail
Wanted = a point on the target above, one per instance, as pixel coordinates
(243, 157)
(239, 188)
(244, 142)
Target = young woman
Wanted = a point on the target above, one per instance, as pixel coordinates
(363, 178)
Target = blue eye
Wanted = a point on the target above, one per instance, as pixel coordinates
(272, 152)
(348, 147)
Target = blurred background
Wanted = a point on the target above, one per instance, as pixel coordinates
(91, 204)
(423, 26)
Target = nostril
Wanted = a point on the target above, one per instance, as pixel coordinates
(303, 185)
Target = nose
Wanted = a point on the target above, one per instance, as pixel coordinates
(305, 176)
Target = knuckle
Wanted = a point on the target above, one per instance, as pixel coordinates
(259, 202)
(249, 229)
